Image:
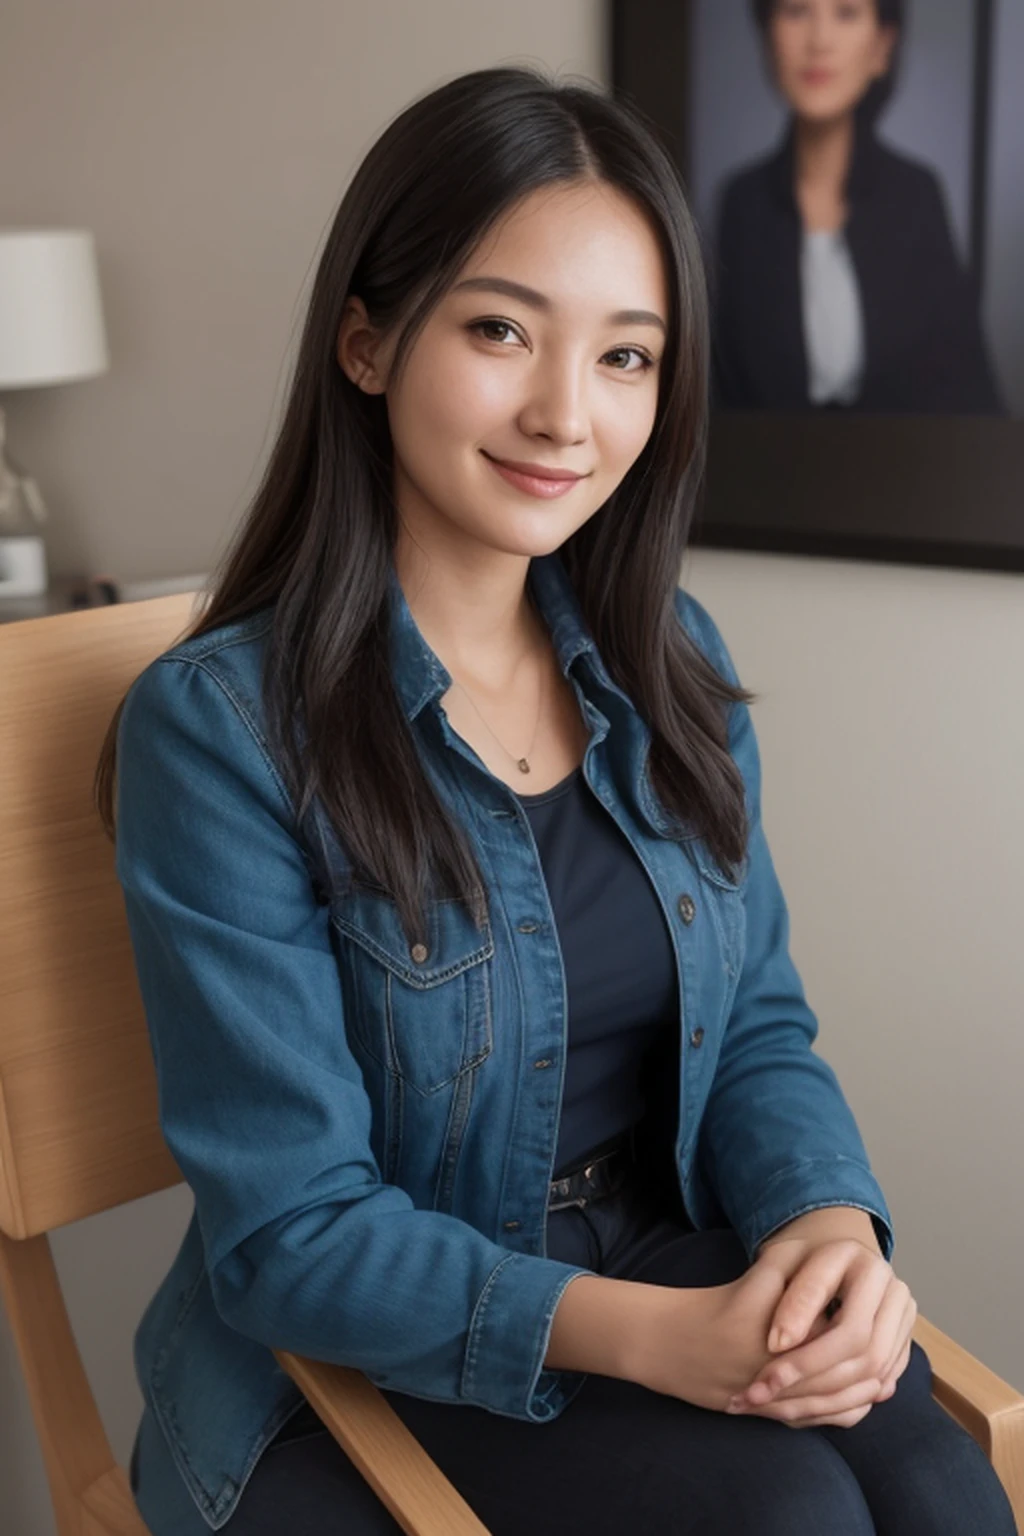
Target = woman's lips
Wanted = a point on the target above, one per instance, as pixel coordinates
(534, 483)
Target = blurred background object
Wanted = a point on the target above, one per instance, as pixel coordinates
(869, 331)
(51, 332)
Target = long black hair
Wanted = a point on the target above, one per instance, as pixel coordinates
(890, 13)
(318, 540)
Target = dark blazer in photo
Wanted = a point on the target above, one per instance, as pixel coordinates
(923, 345)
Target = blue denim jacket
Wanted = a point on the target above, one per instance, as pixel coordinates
(370, 1138)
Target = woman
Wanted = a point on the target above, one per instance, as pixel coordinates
(439, 839)
(838, 281)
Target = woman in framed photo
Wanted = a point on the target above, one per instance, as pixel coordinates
(838, 283)
(462, 952)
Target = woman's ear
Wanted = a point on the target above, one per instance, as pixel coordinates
(360, 347)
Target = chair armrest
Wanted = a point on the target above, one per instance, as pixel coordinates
(985, 1405)
(388, 1455)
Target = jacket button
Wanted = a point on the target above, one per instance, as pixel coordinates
(687, 908)
(528, 926)
(512, 1226)
(545, 1061)
(696, 1038)
(419, 953)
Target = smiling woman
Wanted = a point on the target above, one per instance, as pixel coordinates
(559, 367)
(507, 1100)
(560, 370)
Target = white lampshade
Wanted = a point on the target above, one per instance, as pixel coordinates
(51, 315)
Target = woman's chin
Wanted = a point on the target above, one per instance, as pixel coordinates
(819, 112)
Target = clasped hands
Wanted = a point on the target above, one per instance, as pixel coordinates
(840, 1330)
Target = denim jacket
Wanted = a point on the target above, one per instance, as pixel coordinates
(369, 1133)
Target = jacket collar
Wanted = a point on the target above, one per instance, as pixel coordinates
(868, 154)
(418, 672)
(420, 676)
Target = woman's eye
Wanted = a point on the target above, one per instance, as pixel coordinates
(503, 331)
(644, 361)
(487, 329)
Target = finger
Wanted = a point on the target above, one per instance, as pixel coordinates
(889, 1384)
(811, 1287)
(842, 1420)
(782, 1378)
(851, 1331)
(823, 1276)
(906, 1331)
(818, 1405)
(896, 1366)
(846, 1374)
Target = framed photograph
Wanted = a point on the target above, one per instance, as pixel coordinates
(856, 169)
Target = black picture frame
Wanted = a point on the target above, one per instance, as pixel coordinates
(923, 490)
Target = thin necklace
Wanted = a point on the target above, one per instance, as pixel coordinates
(522, 763)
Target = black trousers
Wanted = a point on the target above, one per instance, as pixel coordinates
(623, 1459)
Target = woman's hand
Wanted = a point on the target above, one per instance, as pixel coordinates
(704, 1344)
(853, 1361)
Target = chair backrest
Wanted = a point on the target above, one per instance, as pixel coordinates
(79, 1131)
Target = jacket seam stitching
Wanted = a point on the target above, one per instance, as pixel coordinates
(477, 1322)
(245, 631)
(245, 717)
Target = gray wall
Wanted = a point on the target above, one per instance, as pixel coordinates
(893, 753)
(206, 142)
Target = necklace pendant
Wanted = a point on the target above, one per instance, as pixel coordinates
(523, 765)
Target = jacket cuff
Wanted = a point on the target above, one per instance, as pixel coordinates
(508, 1339)
(835, 1181)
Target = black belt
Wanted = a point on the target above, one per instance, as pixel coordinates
(602, 1176)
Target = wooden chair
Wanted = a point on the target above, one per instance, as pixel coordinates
(79, 1130)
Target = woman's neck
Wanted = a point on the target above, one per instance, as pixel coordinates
(480, 621)
(822, 156)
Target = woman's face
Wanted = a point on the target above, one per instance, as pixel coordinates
(827, 53)
(545, 353)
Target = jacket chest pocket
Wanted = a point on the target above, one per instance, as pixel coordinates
(723, 897)
(424, 1012)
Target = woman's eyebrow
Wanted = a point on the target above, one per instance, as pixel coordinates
(540, 301)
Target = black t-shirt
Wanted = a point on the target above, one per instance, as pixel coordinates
(620, 973)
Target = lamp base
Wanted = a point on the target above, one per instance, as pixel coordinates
(22, 565)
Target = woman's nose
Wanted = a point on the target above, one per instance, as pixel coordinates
(557, 407)
(823, 28)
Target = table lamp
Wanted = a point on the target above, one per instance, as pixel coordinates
(51, 332)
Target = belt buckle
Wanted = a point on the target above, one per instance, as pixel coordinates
(561, 1187)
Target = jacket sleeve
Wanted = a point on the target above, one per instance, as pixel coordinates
(261, 1101)
(777, 1138)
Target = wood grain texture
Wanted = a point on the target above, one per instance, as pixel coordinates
(391, 1459)
(78, 1108)
(985, 1405)
(110, 1509)
(79, 1463)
